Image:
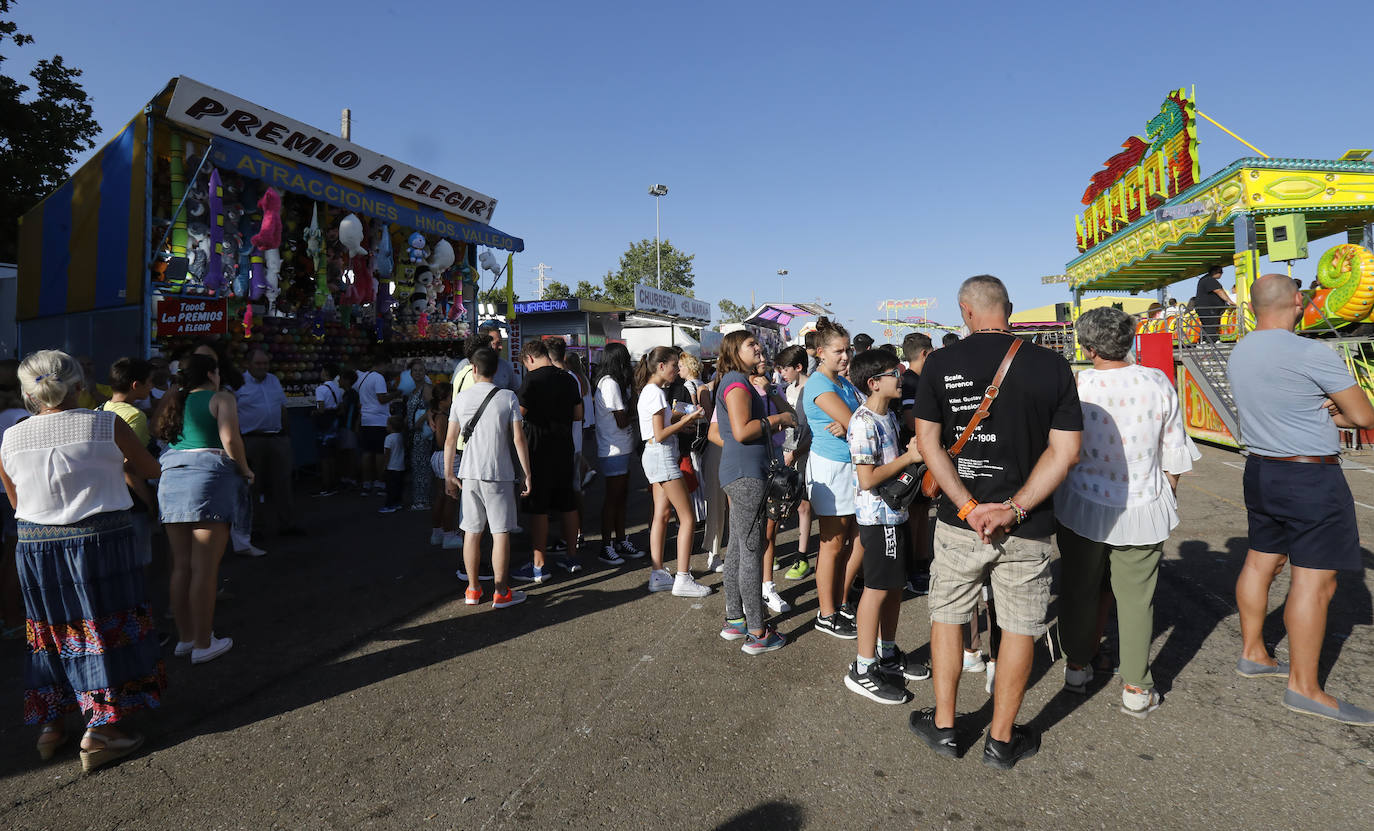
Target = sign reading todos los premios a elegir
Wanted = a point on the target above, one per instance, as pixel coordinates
(219, 113)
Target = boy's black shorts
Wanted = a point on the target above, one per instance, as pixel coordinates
(885, 556)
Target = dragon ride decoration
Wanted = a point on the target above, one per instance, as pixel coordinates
(1150, 170)
(1348, 270)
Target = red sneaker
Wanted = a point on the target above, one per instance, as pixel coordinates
(509, 598)
(472, 596)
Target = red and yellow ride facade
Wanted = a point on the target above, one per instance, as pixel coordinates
(1152, 221)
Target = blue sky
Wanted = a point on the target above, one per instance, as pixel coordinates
(880, 150)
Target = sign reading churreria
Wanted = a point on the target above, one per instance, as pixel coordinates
(219, 113)
(650, 299)
(1150, 170)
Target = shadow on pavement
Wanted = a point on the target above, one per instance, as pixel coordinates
(783, 816)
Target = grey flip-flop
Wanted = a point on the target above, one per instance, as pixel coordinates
(1253, 669)
(1344, 711)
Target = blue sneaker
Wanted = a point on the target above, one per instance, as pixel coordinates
(734, 630)
(530, 573)
(767, 642)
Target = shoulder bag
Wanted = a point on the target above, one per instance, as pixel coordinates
(929, 486)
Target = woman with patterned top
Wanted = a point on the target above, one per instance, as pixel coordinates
(421, 436)
(1118, 504)
(92, 643)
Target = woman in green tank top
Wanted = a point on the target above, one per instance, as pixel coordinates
(201, 476)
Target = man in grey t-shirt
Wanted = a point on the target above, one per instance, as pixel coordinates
(1292, 394)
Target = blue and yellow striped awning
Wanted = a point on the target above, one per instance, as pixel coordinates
(82, 248)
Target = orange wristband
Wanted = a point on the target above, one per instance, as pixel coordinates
(968, 508)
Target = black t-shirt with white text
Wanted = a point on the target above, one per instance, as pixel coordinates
(549, 395)
(1038, 395)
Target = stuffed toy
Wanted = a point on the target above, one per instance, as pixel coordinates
(382, 260)
(214, 268)
(351, 235)
(443, 257)
(257, 275)
(198, 252)
(365, 287)
(417, 253)
(269, 236)
(272, 259)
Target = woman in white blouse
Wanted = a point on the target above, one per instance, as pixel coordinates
(1117, 506)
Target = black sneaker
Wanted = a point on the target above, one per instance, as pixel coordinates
(919, 584)
(875, 685)
(1024, 744)
(837, 626)
(900, 665)
(558, 546)
(846, 611)
(942, 740)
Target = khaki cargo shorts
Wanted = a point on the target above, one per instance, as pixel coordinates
(1019, 569)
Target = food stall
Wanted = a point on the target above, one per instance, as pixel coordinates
(662, 318)
(1152, 221)
(585, 325)
(210, 217)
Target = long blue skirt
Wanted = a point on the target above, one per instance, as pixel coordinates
(92, 643)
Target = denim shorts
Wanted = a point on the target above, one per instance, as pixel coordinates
(198, 486)
(660, 463)
(614, 465)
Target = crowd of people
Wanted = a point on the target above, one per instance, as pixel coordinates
(996, 436)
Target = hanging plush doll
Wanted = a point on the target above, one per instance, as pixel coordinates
(351, 235)
(214, 272)
(257, 275)
(442, 258)
(269, 236)
(383, 263)
(272, 260)
(417, 253)
(199, 252)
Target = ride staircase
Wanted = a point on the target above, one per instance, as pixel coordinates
(1206, 362)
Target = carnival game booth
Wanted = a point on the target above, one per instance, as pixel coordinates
(209, 216)
(1152, 221)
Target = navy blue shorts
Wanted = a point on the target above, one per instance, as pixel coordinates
(1303, 510)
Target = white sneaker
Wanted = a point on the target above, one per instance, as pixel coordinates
(773, 600)
(660, 580)
(715, 563)
(685, 586)
(251, 551)
(1139, 704)
(436, 536)
(973, 662)
(992, 673)
(452, 540)
(217, 647)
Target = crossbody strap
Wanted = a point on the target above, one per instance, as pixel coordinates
(477, 416)
(991, 393)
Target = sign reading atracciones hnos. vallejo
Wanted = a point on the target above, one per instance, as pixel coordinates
(196, 105)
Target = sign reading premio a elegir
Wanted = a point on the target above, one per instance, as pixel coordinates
(219, 113)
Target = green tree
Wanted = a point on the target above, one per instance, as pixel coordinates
(639, 265)
(556, 291)
(587, 291)
(41, 134)
(732, 312)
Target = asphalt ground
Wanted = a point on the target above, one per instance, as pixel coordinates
(362, 693)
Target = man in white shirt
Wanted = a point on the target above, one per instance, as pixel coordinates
(374, 401)
(328, 397)
(267, 440)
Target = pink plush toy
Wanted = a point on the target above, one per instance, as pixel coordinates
(269, 236)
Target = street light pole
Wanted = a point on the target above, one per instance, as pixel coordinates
(782, 273)
(656, 191)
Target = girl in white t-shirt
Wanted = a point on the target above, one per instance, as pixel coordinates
(615, 446)
(659, 424)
